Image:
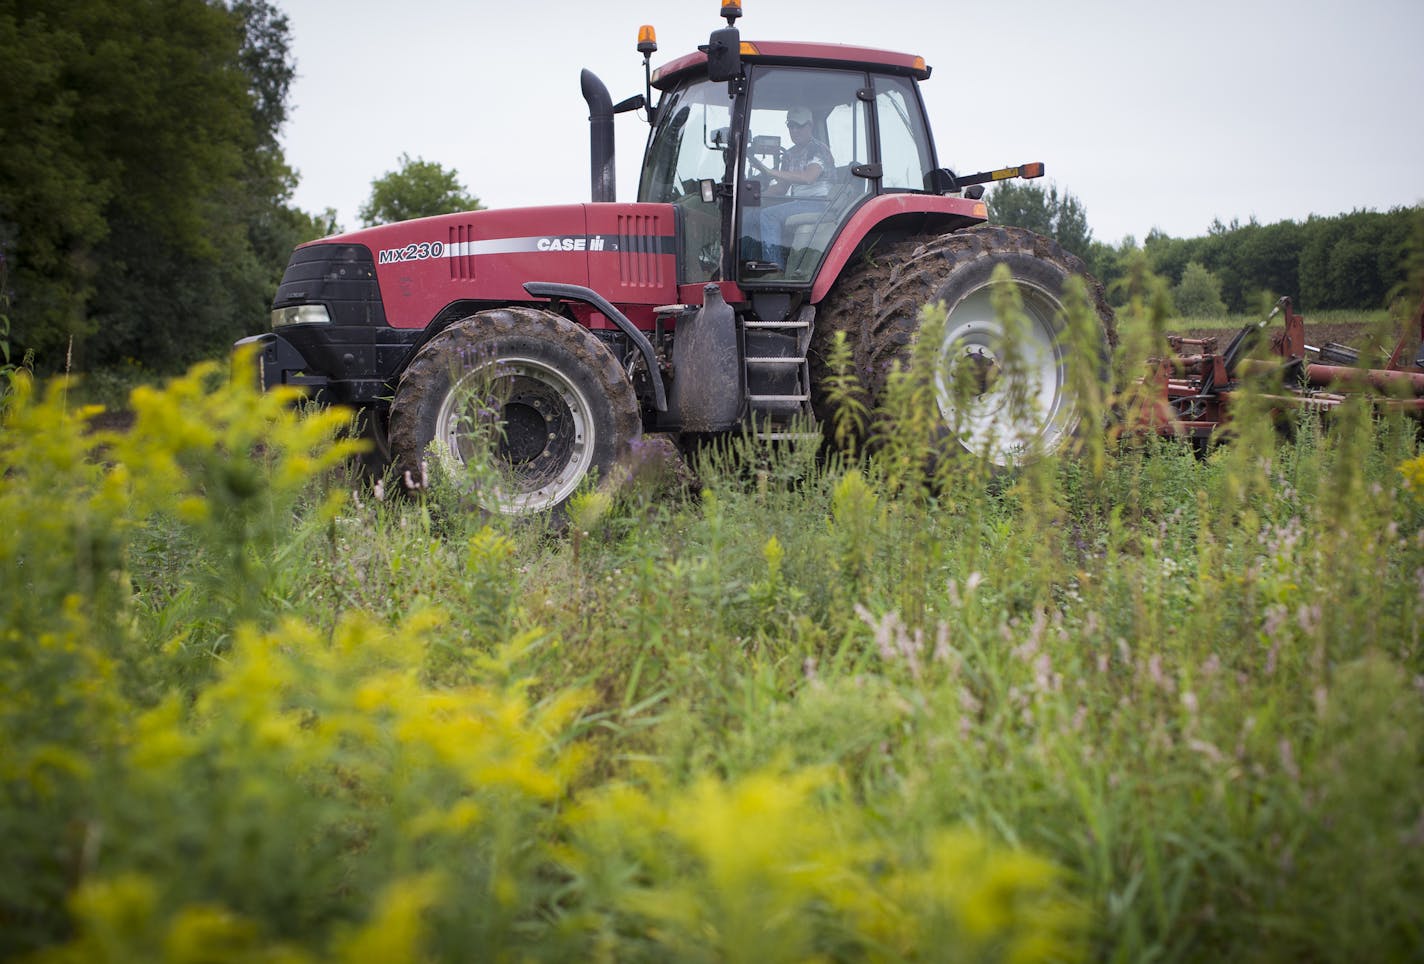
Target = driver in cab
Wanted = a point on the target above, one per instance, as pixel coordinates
(803, 172)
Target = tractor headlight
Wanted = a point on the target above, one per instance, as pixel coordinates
(300, 315)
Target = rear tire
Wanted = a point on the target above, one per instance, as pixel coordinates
(533, 396)
(877, 304)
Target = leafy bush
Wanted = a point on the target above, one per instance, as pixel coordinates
(1198, 294)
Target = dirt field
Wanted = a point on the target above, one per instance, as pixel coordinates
(1355, 335)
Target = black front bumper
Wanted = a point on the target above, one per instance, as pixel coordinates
(336, 365)
(276, 362)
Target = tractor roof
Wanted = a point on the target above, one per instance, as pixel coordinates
(800, 54)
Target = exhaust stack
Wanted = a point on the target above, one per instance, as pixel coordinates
(600, 136)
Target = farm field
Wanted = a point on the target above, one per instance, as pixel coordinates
(1124, 704)
(1360, 330)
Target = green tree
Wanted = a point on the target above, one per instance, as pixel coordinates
(1109, 263)
(266, 59)
(1043, 211)
(1168, 256)
(142, 186)
(1198, 294)
(1354, 260)
(1347, 261)
(51, 197)
(420, 189)
(1411, 289)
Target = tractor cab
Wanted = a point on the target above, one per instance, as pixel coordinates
(768, 149)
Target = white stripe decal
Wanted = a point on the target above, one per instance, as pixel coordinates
(559, 242)
(464, 249)
(637, 244)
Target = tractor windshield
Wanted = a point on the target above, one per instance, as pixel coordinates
(689, 145)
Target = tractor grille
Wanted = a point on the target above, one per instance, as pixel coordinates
(639, 243)
(340, 276)
(462, 263)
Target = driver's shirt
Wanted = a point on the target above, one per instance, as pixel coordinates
(798, 157)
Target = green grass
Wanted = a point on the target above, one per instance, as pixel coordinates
(1235, 322)
(1128, 704)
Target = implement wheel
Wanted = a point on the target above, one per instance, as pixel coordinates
(1008, 402)
(525, 403)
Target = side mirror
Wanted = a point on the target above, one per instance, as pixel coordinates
(724, 55)
(941, 181)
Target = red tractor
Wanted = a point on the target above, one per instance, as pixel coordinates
(548, 339)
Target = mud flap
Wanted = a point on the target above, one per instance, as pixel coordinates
(707, 390)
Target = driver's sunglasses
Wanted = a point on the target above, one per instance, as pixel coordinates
(792, 125)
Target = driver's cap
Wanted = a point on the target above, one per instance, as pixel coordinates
(798, 115)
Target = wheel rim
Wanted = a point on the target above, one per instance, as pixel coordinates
(1005, 401)
(525, 425)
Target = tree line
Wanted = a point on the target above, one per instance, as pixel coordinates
(145, 207)
(1359, 260)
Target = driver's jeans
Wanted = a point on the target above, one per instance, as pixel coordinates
(773, 224)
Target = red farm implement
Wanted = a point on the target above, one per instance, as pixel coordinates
(1191, 392)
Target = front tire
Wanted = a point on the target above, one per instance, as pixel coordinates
(1027, 408)
(525, 403)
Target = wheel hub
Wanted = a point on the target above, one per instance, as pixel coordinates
(536, 428)
(1003, 390)
(983, 370)
(533, 425)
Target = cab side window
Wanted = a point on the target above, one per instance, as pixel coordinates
(904, 143)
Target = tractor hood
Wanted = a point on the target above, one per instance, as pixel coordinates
(421, 266)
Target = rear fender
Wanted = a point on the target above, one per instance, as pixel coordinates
(894, 216)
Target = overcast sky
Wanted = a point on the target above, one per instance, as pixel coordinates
(1155, 114)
